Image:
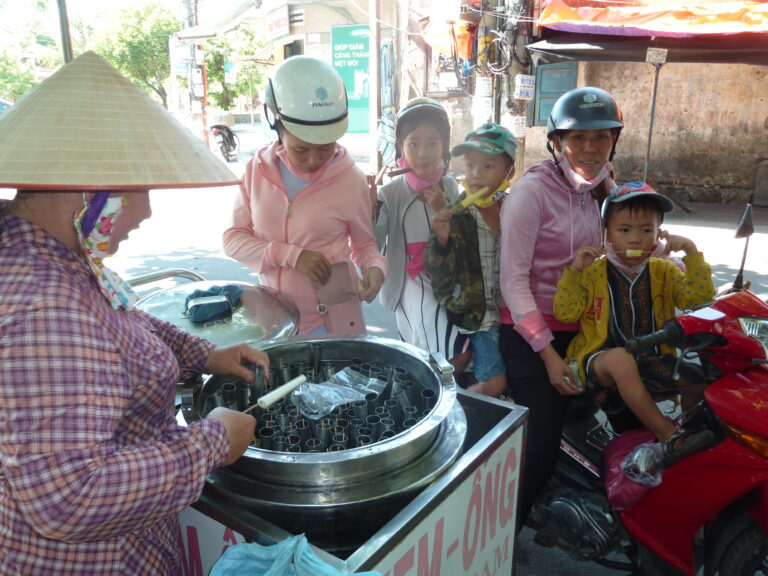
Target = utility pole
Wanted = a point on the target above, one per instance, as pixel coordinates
(374, 83)
(66, 39)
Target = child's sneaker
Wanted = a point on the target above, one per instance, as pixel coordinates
(684, 443)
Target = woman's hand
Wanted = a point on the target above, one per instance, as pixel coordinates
(240, 430)
(371, 283)
(559, 372)
(441, 224)
(230, 361)
(434, 197)
(314, 266)
(584, 257)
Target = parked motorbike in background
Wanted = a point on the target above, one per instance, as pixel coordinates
(227, 141)
(709, 515)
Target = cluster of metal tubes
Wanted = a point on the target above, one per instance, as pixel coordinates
(360, 423)
(283, 428)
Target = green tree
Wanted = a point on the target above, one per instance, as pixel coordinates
(239, 49)
(16, 76)
(138, 47)
(25, 45)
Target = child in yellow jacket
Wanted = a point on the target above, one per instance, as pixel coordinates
(621, 291)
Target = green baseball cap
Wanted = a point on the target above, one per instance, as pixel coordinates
(490, 139)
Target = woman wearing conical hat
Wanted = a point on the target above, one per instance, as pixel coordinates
(93, 467)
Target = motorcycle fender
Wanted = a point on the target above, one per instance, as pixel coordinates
(742, 399)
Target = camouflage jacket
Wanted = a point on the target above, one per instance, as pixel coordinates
(456, 272)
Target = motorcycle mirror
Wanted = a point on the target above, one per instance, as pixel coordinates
(745, 228)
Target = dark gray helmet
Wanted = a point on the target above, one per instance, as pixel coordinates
(422, 109)
(586, 108)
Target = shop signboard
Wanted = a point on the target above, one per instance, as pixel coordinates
(278, 23)
(350, 47)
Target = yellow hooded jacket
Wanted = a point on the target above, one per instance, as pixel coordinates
(583, 296)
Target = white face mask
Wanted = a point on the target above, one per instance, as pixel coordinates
(95, 245)
(578, 182)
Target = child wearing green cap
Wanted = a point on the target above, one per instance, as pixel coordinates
(623, 290)
(462, 258)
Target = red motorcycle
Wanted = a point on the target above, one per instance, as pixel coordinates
(709, 515)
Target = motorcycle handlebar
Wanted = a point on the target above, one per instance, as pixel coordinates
(670, 333)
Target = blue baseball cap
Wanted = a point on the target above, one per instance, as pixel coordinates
(634, 190)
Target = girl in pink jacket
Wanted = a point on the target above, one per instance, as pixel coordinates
(302, 219)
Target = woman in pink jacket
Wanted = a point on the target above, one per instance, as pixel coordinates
(302, 220)
(550, 213)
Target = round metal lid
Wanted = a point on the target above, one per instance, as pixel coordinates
(263, 313)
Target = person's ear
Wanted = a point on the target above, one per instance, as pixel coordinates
(556, 142)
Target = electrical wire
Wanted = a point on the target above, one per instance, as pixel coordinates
(382, 22)
(501, 16)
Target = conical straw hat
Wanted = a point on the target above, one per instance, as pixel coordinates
(88, 127)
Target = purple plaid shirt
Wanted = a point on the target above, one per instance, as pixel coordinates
(93, 467)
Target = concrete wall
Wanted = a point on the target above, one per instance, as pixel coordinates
(710, 126)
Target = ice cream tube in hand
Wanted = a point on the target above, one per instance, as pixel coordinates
(271, 397)
(633, 253)
(471, 198)
(393, 173)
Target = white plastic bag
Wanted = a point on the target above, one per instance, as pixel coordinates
(645, 464)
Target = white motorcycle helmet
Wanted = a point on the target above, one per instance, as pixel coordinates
(307, 97)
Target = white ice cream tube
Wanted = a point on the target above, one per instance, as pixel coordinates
(271, 397)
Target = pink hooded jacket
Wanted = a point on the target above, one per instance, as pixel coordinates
(332, 215)
(544, 222)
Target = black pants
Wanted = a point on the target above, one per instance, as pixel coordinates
(528, 383)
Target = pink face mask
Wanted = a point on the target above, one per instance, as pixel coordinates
(614, 258)
(416, 182)
(578, 182)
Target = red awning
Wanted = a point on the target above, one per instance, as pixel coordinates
(717, 31)
(666, 18)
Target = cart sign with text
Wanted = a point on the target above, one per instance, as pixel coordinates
(350, 47)
(472, 532)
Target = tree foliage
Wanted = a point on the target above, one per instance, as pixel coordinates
(24, 46)
(239, 50)
(139, 47)
(16, 76)
(135, 40)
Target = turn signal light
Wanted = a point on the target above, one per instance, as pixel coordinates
(758, 444)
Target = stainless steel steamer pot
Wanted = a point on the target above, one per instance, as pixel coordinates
(340, 498)
(262, 314)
